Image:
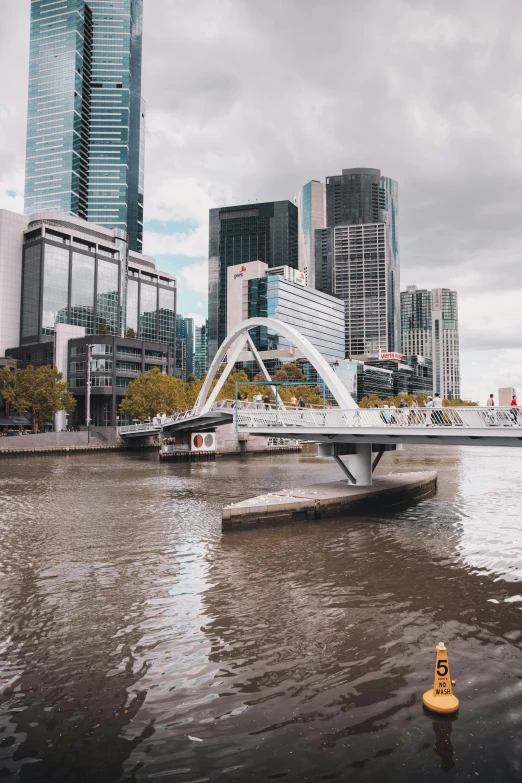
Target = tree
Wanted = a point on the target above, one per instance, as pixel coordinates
(42, 392)
(7, 388)
(156, 394)
(102, 328)
(130, 333)
(289, 372)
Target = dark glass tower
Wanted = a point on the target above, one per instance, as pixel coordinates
(363, 196)
(85, 113)
(251, 232)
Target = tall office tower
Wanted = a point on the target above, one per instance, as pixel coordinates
(75, 272)
(184, 347)
(86, 117)
(352, 263)
(311, 208)
(364, 196)
(251, 232)
(430, 328)
(11, 245)
(201, 350)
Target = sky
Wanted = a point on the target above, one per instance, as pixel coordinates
(249, 100)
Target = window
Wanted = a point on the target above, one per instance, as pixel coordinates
(82, 292)
(101, 380)
(101, 348)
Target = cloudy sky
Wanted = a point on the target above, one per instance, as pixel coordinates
(249, 100)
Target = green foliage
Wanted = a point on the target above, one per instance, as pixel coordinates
(289, 372)
(42, 392)
(372, 401)
(157, 394)
(458, 404)
(130, 333)
(7, 388)
(102, 328)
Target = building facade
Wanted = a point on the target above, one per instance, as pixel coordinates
(201, 350)
(257, 291)
(184, 347)
(311, 208)
(11, 247)
(115, 362)
(265, 232)
(352, 263)
(85, 146)
(430, 329)
(81, 274)
(362, 196)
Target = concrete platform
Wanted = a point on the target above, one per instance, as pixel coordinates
(333, 499)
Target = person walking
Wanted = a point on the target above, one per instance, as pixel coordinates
(490, 416)
(437, 410)
(293, 400)
(301, 405)
(266, 400)
(386, 415)
(514, 409)
(258, 399)
(429, 407)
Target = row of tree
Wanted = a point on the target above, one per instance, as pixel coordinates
(39, 391)
(373, 401)
(156, 393)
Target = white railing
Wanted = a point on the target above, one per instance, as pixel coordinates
(435, 418)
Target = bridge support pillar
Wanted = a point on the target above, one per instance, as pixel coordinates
(360, 464)
(357, 463)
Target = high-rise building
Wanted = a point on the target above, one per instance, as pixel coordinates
(11, 244)
(251, 232)
(184, 347)
(310, 202)
(430, 328)
(85, 126)
(256, 291)
(363, 196)
(78, 273)
(201, 350)
(352, 263)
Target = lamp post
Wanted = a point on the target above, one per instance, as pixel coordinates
(88, 394)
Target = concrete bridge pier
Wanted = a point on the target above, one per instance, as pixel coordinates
(359, 461)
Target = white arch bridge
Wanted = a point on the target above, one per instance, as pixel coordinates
(346, 430)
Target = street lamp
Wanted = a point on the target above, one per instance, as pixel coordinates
(88, 394)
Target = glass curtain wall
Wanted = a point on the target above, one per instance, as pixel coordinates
(31, 290)
(148, 310)
(55, 288)
(82, 292)
(167, 316)
(107, 296)
(132, 305)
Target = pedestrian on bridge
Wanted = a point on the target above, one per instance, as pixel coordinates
(438, 420)
(514, 409)
(429, 406)
(490, 404)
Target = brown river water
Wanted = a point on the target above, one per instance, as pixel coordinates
(139, 643)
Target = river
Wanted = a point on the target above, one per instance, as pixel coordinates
(139, 643)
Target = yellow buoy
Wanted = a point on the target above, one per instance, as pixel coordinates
(440, 698)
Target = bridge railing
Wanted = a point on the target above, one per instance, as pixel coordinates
(466, 417)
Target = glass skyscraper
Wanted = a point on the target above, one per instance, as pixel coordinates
(364, 196)
(430, 328)
(86, 117)
(201, 350)
(310, 202)
(252, 232)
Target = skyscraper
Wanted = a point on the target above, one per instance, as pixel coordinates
(86, 116)
(352, 263)
(250, 232)
(430, 328)
(310, 202)
(184, 347)
(363, 196)
(201, 350)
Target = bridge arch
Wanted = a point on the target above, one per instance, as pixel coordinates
(235, 342)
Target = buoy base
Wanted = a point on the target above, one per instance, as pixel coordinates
(443, 704)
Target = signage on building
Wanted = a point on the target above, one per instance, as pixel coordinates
(436, 299)
(391, 355)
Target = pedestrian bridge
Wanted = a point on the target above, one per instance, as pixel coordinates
(343, 430)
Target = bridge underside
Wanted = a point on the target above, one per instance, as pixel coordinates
(203, 423)
(479, 437)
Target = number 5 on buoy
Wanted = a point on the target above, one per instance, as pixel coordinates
(440, 698)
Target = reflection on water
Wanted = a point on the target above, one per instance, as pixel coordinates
(138, 643)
